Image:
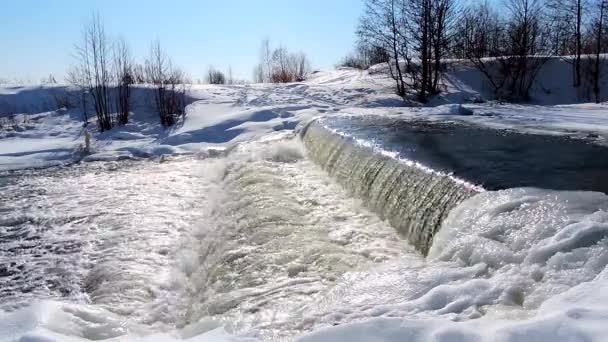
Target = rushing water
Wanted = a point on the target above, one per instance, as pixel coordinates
(412, 197)
(102, 233)
(248, 239)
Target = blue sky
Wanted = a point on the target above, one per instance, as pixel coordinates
(37, 36)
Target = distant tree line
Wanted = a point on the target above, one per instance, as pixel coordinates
(105, 71)
(508, 42)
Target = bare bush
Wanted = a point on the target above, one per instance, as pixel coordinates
(49, 80)
(280, 66)
(215, 76)
(168, 81)
(365, 56)
(139, 74)
(62, 99)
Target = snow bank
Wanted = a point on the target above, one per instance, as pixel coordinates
(51, 321)
(552, 86)
(224, 115)
(40, 135)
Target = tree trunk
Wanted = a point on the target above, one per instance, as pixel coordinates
(579, 48)
(598, 47)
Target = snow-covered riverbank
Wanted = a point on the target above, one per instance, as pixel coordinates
(36, 135)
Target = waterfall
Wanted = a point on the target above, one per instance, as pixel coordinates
(413, 198)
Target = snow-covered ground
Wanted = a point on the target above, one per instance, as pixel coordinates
(218, 116)
(265, 245)
(34, 135)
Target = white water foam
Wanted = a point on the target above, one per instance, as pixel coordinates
(512, 265)
(258, 234)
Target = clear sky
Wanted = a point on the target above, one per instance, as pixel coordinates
(37, 36)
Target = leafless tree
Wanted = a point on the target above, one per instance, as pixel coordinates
(299, 66)
(598, 28)
(430, 27)
(123, 75)
(481, 35)
(281, 66)
(509, 51)
(528, 45)
(365, 56)
(416, 34)
(442, 30)
(382, 26)
(567, 19)
(230, 79)
(215, 76)
(92, 71)
(75, 78)
(139, 74)
(50, 79)
(168, 83)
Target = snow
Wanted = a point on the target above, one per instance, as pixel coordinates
(512, 265)
(224, 115)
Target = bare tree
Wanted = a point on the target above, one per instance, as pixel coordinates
(519, 45)
(168, 83)
(430, 24)
(420, 27)
(215, 76)
(123, 75)
(567, 18)
(258, 74)
(528, 38)
(76, 78)
(481, 35)
(416, 35)
(281, 66)
(442, 28)
(599, 29)
(365, 56)
(230, 78)
(93, 70)
(265, 66)
(300, 66)
(382, 26)
(50, 79)
(138, 73)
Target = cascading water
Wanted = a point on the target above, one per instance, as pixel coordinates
(412, 173)
(413, 198)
